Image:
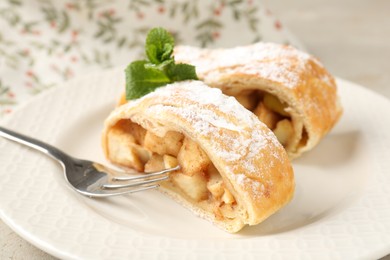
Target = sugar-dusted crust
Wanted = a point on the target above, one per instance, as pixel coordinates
(296, 78)
(252, 163)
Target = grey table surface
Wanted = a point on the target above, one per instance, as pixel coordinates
(351, 38)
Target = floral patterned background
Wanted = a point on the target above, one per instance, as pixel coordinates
(46, 42)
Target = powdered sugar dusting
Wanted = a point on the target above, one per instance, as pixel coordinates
(192, 101)
(253, 59)
(256, 187)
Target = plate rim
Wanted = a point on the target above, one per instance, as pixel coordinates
(47, 247)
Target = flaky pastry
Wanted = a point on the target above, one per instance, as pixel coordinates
(290, 91)
(233, 173)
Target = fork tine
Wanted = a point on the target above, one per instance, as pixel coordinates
(118, 192)
(133, 190)
(146, 175)
(134, 184)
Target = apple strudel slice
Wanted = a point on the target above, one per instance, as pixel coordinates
(290, 91)
(233, 172)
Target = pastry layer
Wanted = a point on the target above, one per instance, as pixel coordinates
(233, 170)
(287, 89)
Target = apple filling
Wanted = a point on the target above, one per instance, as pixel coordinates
(274, 113)
(198, 180)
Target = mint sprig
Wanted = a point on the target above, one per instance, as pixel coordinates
(159, 69)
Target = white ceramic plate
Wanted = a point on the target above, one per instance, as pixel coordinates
(340, 209)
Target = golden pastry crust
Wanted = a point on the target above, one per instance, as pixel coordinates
(296, 78)
(254, 166)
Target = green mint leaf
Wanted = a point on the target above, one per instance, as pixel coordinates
(182, 71)
(151, 53)
(163, 66)
(144, 76)
(141, 80)
(159, 45)
(167, 51)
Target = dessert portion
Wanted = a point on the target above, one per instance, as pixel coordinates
(288, 90)
(233, 171)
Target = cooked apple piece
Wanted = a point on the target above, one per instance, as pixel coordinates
(247, 100)
(194, 186)
(215, 183)
(169, 161)
(275, 104)
(173, 142)
(155, 163)
(130, 154)
(154, 143)
(192, 158)
(137, 131)
(169, 144)
(284, 131)
(227, 197)
(216, 189)
(142, 153)
(266, 115)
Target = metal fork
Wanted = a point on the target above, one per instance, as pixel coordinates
(90, 178)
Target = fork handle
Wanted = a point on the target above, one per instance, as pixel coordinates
(33, 143)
